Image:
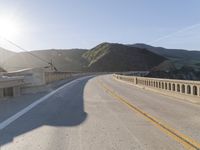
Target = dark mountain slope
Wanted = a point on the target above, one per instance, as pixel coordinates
(118, 57)
(177, 56)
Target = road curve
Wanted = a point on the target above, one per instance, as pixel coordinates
(84, 116)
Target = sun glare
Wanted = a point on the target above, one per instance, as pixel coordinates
(8, 28)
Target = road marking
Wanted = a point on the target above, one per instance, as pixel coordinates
(34, 104)
(186, 141)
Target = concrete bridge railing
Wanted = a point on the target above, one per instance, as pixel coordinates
(183, 88)
(15, 83)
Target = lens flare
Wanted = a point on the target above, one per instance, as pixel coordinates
(8, 28)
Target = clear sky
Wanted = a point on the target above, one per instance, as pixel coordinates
(44, 24)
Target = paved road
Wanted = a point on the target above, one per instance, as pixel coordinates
(83, 115)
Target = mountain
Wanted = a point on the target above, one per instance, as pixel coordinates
(2, 70)
(104, 57)
(179, 57)
(63, 60)
(5, 53)
(4, 56)
(164, 66)
(119, 57)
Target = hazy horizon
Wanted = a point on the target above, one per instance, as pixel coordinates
(95, 46)
(38, 25)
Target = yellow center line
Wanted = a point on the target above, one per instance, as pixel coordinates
(186, 141)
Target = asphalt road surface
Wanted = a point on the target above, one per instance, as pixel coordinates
(100, 113)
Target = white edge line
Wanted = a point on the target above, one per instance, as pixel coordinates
(11, 119)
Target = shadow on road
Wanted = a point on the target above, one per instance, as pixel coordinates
(65, 108)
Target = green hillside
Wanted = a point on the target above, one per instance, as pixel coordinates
(104, 57)
(118, 57)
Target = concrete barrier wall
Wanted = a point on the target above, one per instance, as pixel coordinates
(23, 80)
(183, 88)
(56, 76)
(32, 77)
(10, 86)
(39, 76)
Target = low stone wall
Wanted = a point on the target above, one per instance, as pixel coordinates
(10, 86)
(39, 76)
(32, 77)
(16, 82)
(183, 88)
(56, 76)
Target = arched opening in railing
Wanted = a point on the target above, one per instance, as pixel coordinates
(170, 88)
(183, 88)
(188, 89)
(173, 87)
(178, 87)
(159, 85)
(194, 90)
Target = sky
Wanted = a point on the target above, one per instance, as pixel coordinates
(65, 24)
